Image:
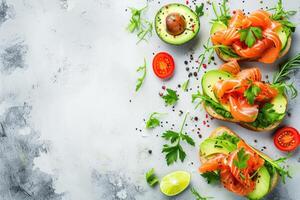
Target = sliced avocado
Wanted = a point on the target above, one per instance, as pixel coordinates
(210, 78)
(280, 104)
(210, 146)
(262, 184)
(217, 26)
(283, 37)
(176, 24)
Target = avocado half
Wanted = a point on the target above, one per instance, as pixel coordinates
(176, 24)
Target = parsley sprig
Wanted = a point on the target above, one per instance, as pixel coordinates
(153, 120)
(142, 78)
(139, 24)
(280, 78)
(224, 12)
(250, 35)
(198, 196)
(251, 93)
(171, 97)
(242, 159)
(199, 10)
(175, 150)
(211, 177)
(151, 178)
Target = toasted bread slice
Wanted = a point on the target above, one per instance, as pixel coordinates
(212, 113)
(283, 53)
(219, 131)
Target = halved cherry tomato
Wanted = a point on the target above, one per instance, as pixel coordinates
(287, 139)
(163, 65)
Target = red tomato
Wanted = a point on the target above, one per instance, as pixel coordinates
(163, 65)
(287, 139)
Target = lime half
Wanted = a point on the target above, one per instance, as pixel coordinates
(175, 182)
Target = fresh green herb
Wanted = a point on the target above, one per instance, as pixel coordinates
(171, 97)
(227, 50)
(142, 78)
(175, 150)
(198, 196)
(185, 85)
(273, 166)
(217, 107)
(286, 69)
(228, 137)
(211, 177)
(242, 158)
(267, 116)
(251, 93)
(250, 35)
(199, 10)
(224, 14)
(224, 144)
(153, 121)
(151, 178)
(137, 23)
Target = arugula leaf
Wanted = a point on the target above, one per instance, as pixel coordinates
(230, 138)
(284, 74)
(142, 78)
(185, 85)
(171, 97)
(198, 196)
(151, 178)
(250, 35)
(242, 158)
(199, 10)
(217, 107)
(137, 23)
(267, 116)
(226, 50)
(224, 14)
(251, 93)
(153, 121)
(211, 177)
(174, 151)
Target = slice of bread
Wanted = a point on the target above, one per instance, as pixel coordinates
(212, 113)
(219, 131)
(283, 53)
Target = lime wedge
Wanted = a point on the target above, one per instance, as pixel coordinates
(175, 182)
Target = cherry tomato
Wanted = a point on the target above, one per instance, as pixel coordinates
(163, 65)
(287, 139)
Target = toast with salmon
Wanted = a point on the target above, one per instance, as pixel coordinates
(220, 156)
(240, 96)
(261, 36)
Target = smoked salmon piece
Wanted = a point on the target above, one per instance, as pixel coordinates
(241, 110)
(239, 20)
(266, 94)
(232, 67)
(252, 74)
(251, 52)
(260, 18)
(213, 164)
(221, 88)
(271, 54)
(225, 37)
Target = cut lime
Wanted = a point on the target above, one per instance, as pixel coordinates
(175, 182)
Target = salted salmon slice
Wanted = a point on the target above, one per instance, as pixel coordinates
(225, 37)
(241, 110)
(232, 67)
(223, 87)
(252, 74)
(267, 93)
(239, 20)
(260, 18)
(213, 164)
(271, 54)
(252, 52)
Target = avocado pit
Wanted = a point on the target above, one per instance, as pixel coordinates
(175, 24)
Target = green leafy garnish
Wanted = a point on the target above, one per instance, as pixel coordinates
(185, 85)
(224, 14)
(250, 35)
(251, 93)
(171, 97)
(175, 150)
(151, 178)
(211, 177)
(267, 116)
(227, 50)
(228, 137)
(198, 196)
(153, 121)
(142, 78)
(137, 23)
(217, 107)
(199, 10)
(242, 158)
(284, 73)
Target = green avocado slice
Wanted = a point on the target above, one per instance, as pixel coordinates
(262, 187)
(217, 26)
